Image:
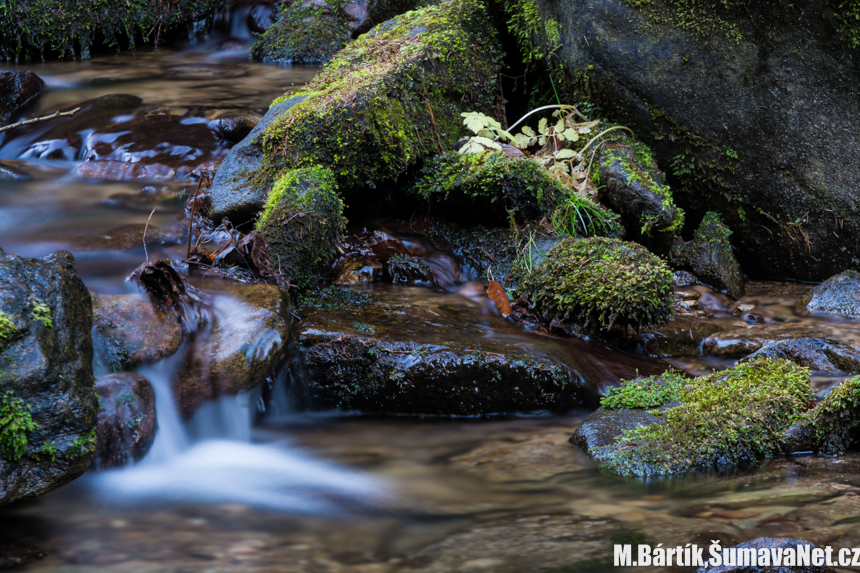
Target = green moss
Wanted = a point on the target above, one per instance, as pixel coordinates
(15, 423)
(599, 282)
(836, 418)
(331, 298)
(725, 420)
(42, 313)
(69, 28)
(7, 327)
(394, 95)
(83, 445)
(304, 32)
(711, 237)
(49, 449)
(302, 223)
(646, 392)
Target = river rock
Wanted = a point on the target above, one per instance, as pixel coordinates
(742, 341)
(767, 544)
(379, 11)
(17, 90)
(373, 100)
(817, 354)
(602, 426)
(302, 224)
(46, 386)
(636, 188)
(409, 270)
(127, 420)
(415, 351)
(128, 331)
(753, 110)
(839, 295)
(238, 348)
(709, 255)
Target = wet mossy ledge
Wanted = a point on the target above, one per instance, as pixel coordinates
(600, 282)
(394, 95)
(306, 32)
(37, 29)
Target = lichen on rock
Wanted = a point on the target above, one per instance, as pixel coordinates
(599, 282)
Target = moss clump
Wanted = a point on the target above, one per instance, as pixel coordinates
(83, 445)
(7, 328)
(305, 32)
(69, 28)
(599, 282)
(302, 223)
(408, 270)
(42, 313)
(394, 95)
(646, 392)
(709, 255)
(726, 419)
(836, 418)
(637, 188)
(15, 422)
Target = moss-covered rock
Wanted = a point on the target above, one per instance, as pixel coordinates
(48, 404)
(383, 104)
(636, 188)
(379, 11)
(709, 255)
(71, 28)
(833, 423)
(817, 354)
(306, 32)
(599, 282)
(730, 418)
(404, 269)
(838, 295)
(302, 223)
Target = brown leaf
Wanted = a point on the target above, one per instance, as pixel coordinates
(497, 294)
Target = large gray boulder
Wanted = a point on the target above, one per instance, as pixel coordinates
(839, 295)
(753, 108)
(48, 404)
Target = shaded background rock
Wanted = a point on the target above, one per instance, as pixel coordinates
(839, 295)
(46, 356)
(709, 255)
(127, 419)
(17, 90)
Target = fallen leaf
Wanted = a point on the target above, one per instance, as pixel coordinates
(497, 294)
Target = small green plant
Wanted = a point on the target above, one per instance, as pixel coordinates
(15, 422)
(7, 327)
(126, 398)
(50, 449)
(135, 421)
(577, 216)
(84, 444)
(362, 327)
(42, 313)
(645, 392)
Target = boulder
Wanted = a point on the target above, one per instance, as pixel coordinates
(838, 295)
(70, 32)
(636, 188)
(238, 347)
(394, 95)
(414, 351)
(752, 109)
(709, 255)
(409, 270)
(128, 330)
(379, 11)
(127, 420)
(302, 224)
(17, 90)
(602, 427)
(48, 406)
(817, 354)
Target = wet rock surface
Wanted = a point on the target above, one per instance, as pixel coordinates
(709, 255)
(128, 330)
(127, 419)
(443, 357)
(817, 354)
(602, 427)
(46, 387)
(238, 346)
(838, 295)
(17, 90)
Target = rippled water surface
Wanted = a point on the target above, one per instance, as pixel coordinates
(335, 491)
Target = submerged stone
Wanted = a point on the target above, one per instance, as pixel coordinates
(413, 351)
(127, 419)
(48, 405)
(838, 295)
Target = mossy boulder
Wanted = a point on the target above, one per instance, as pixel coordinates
(405, 269)
(487, 186)
(379, 11)
(302, 224)
(307, 31)
(381, 106)
(839, 295)
(817, 354)
(695, 81)
(48, 405)
(709, 255)
(636, 188)
(127, 421)
(834, 424)
(72, 28)
(727, 419)
(599, 282)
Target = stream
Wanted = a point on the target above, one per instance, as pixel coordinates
(244, 488)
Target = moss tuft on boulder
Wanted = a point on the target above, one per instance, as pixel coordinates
(302, 223)
(727, 419)
(709, 255)
(599, 282)
(306, 32)
(835, 420)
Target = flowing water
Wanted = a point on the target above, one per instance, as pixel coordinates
(235, 490)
